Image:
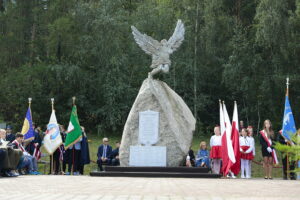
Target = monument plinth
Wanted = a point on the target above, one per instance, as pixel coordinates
(176, 123)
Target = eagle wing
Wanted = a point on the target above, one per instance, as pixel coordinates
(147, 43)
(178, 36)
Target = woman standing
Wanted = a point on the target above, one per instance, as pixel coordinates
(268, 152)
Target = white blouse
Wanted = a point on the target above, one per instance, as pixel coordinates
(215, 140)
(246, 141)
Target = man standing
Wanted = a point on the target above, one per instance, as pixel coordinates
(287, 166)
(103, 154)
(35, 143)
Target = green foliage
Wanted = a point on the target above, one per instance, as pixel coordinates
(239, 51)
(293, 151)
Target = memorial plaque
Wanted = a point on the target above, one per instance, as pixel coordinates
(148, 156)
(148, 127)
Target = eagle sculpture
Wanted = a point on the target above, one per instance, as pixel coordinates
(160, 51)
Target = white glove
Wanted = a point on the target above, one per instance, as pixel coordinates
(269, 149)
(188, 158)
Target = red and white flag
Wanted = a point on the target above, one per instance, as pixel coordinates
(37, 152)
(236, 167)
(228, 157)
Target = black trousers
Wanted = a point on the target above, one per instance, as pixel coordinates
(74, 160)
(100, 163)
(56, 167)
(285, 170)
(66, 157)
(3, 156)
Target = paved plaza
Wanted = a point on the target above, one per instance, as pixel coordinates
(119, 188)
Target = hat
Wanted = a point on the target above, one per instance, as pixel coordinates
(8, 127)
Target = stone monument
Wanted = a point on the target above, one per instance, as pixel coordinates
(176, 123)
(148, 155)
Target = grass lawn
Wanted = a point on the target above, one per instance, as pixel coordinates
(95, 141)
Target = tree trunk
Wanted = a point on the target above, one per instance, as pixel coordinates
(195, 61)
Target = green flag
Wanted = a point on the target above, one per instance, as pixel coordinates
(74, 130)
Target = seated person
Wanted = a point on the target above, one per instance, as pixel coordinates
(202, 159)
(190, 158)
(3, 156)
(103, 154)
(10, 157)
(28, 161)
(9, 135)
(114, 156)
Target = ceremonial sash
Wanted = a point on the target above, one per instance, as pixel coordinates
(275, 160)
(20, 146)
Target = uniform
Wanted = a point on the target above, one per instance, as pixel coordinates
(216, 153)
(252, 143)
(246, 149)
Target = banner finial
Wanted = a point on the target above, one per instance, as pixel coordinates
(73, 98)
(29, 101)
(52, 103)
(287, 86)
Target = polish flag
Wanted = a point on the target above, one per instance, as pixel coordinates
(228, 158)
(236, 167)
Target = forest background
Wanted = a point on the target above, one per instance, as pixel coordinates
(233, 50)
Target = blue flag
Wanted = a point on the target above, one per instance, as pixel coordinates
(288, 124)
(27, 129)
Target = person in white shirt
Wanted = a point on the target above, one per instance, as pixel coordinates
(252, 143)
(216, 150)
(246, 155)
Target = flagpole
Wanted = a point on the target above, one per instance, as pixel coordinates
(287, 154)
(73, 150)
(52, 159)
(52, 105)
(29, 106)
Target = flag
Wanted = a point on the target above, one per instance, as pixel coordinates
(52, 139)
(288, 124)
(228, 158)
(74, 130)
(222, 122)
(236, 167)
(37, 152)
(27, 129)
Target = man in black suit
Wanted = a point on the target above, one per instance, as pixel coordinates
(114, 156)
(104, 152)
(9, 135)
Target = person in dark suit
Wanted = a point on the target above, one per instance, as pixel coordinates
(36, 142)
(9, 135)
(114, 156)
(284, 141)
(85, 153)
(103, 154)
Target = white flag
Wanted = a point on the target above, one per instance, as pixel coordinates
(52, 139)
